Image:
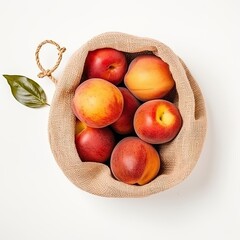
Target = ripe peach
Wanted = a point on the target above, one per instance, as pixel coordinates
(93, 144)
(124, 125)
(157, 121)
(106, 63)
(97, 102)
(148, 77)
(134, 161)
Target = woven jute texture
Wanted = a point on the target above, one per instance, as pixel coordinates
(178, 157)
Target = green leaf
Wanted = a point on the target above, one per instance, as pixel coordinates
(26, 91)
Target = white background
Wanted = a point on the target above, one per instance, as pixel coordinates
(37, 202)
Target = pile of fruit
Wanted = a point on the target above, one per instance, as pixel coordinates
(123, 114)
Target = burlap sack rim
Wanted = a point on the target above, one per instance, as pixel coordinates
(103, 184)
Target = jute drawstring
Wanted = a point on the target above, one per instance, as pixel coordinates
(48, 72)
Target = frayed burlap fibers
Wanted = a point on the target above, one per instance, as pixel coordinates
(178, 157)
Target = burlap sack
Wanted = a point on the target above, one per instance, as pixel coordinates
(178, 157)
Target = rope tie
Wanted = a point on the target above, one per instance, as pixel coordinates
(48, 72)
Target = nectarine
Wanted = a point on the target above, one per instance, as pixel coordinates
(124, 125)
(157, 121)
(97, 102)
(107, 63)
(148, 77)
(134, 161)
(93, 144)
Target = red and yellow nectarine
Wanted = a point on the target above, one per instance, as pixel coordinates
(157, 121)
(148, 77)
(106, 63)
(97, 102)
(134, 161)
(93, 144)
(124, 125)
